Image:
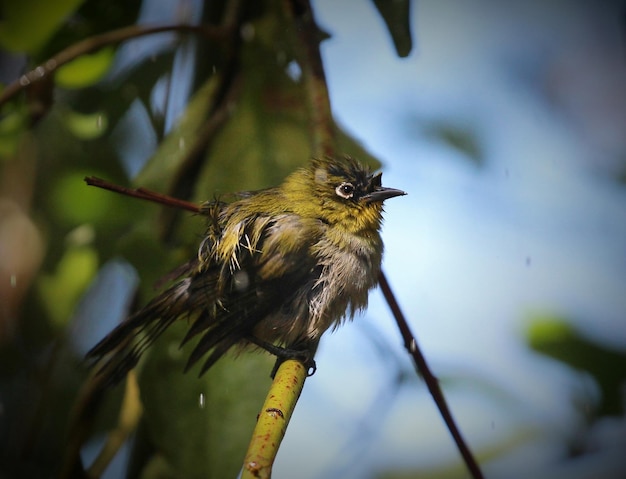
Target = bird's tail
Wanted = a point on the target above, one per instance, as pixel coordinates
(118, 352)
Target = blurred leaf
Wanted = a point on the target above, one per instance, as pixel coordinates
(396, 14)
(347, 144)
(61, 290)
(86, 69)
(85, 126)
(162, 168)
(22, 249)
(456, 469)
(121, 90)
(201, 426)
(553, 336)
(91, 18)
(74, 202)
(268, 133)
(12, 126)
(460, 138)
(28, 24)
(146, 252)
(265, 137)
(156, 467)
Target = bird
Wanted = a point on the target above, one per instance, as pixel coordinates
(275, 269)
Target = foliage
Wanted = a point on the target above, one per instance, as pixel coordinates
(555, 337)
(102, 105)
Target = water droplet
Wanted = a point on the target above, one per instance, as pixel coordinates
(247, 32)
(13, 280)
(241, 281)
(294, 71)
(201, 401)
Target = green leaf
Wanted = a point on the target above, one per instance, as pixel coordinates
(86, 126)
(28, 24)
(12, 127)
(461, 138)
(268, 133)
(86, 69)
(553, 336)
(61, 290)
(201, 426)
(396, 14)
(74, 203)
(91, 18)
(162, 168)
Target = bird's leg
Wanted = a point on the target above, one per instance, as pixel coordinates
(304, 355)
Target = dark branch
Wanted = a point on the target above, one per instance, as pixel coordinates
(95, 43)
(143, 194)
(410, 343)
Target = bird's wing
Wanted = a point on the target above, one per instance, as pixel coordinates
(271, 263)
(226, 296)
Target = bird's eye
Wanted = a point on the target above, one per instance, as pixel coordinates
(345, 190)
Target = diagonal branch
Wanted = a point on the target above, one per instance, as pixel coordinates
(95, 43)
(143, 194)
(410, 343)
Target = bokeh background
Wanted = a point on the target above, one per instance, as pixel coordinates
(506, 125)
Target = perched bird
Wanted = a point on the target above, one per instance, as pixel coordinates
(276, 269)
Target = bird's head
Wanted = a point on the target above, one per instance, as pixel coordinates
(341, 193)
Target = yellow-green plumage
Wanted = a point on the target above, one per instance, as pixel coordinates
(276, 267)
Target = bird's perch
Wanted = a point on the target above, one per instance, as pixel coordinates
(273, 420)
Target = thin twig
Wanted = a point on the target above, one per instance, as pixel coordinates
(410, 343)
(92, 44)
(143, 194)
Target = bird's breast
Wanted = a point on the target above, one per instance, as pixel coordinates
(349, 270)
(346, 268)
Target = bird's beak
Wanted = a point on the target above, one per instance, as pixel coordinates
(380, 193)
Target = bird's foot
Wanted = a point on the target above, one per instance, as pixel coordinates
(305, 355)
